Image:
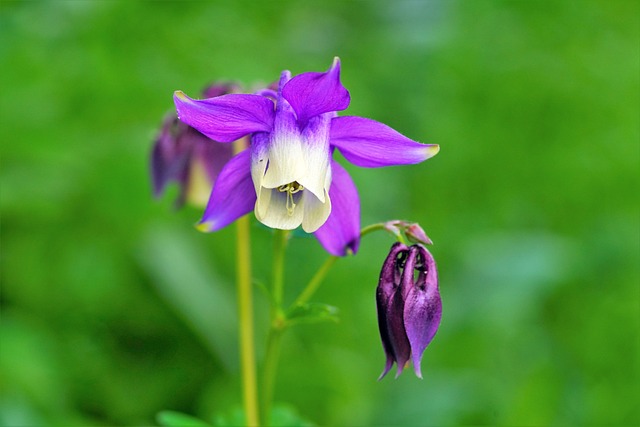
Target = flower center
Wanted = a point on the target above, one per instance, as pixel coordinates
(291, 189)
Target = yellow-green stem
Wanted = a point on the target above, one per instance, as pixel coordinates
(281, 238)
(316, 281)
(269, 370)
(245, 316)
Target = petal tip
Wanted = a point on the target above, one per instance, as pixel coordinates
(431, 150)
(204, 227)
(417, 370)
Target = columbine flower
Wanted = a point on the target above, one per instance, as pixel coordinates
(184, 155)
(409, 306)
(288, 176)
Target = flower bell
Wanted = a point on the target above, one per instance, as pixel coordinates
(408, 304)
(184, 155)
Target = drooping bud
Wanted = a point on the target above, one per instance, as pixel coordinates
(408, 304)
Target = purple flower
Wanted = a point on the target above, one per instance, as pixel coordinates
(288, 176)
(182, 154)
(409, 305)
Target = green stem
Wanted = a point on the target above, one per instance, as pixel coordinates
(245, 316)
(272, 354)
(281, 238)
(380, 226)
(245, 313)
(278, 318)
(316, 281)
(270, 369)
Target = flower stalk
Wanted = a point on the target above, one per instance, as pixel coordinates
(316, 281)
(277, 324)
(245, 316)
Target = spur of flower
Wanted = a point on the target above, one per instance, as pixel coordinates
(288, 176)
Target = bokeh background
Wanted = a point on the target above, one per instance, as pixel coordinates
(114, 307)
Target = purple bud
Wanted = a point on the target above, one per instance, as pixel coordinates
(408, 304)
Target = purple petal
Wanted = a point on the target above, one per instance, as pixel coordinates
(422, 307)
(387, 285)
(340, 234)
(371, 144)
(228, 117)
(161, 157)
(311, 94)
(233, 194)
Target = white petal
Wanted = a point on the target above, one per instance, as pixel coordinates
(259, 161)
(271, 209)
(315, 211)
(286, 158)
(262, 203)
(315, 150)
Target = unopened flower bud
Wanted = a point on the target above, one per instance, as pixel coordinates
(408, 304)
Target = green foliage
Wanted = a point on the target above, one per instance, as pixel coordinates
(311, 313)
(178, 419)
(281, 416)
(114, 307)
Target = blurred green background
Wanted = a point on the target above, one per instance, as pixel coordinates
(114, 307)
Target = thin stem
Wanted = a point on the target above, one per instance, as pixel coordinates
(270, 369)
(272, 354)
(372, 227)
(281, 238)
(316, 281)
(381, 226)
(245, 316)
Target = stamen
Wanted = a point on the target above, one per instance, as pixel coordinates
(291, 189)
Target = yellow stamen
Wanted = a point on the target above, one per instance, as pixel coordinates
(291, 189)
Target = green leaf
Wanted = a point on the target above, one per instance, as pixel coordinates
(282, 415)
(178, 419)
(312, 313)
